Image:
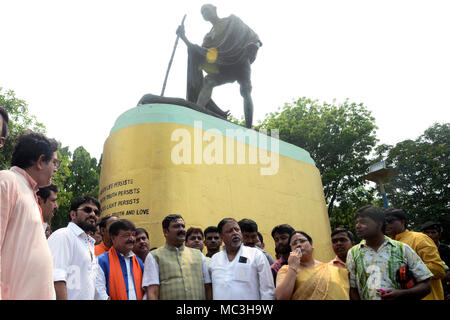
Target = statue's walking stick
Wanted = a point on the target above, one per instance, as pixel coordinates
(171, 59)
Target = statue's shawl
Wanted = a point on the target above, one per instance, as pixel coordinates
(232, 45)
(231, 49)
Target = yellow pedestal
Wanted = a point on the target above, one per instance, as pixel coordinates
(163, 159)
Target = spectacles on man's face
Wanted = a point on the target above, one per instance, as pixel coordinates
(56, 163)
(89, 210)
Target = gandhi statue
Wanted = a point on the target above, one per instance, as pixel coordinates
(227, 52)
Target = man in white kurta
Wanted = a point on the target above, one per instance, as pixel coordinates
(239, 272)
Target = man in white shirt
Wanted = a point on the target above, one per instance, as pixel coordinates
(119, 276)
(239, 272)
(75, 265)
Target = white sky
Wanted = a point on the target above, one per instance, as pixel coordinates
(80, 64)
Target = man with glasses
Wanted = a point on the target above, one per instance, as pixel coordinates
(119, 276)
(72, 249)
(26, 271)
(422, 245)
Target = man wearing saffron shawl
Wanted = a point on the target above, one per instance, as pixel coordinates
(119, 276)
(226, 54)
(305, 278)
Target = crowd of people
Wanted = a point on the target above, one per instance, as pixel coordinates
(108, 258)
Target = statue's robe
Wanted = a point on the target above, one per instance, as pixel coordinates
(218, 52)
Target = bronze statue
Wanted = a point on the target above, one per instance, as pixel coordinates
(226, 54)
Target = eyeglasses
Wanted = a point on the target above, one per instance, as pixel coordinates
(56, 163)
(89, 210)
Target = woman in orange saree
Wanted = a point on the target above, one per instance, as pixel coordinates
(305, 278)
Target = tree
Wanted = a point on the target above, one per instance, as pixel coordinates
(19, 121)
(339, 138)
(421, 185)
(65, 196)
(78, 175)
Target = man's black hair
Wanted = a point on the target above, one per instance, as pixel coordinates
(374, 213)
(431, 225)
(344, 230)
(44, 192)
(5, 120)
(211, 229)
(122, 224)
(84, 199)
(141, 230)
(399, 214)
(224, 222)
(193, 230)
(30, 146)
(167, 220)
(102, 223)
(282, 228)
(248, 225)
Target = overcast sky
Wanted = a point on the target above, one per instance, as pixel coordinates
(80, 64)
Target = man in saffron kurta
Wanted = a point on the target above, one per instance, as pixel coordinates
(106, 243)
(425, 248)
(120, 274)
(26, 267)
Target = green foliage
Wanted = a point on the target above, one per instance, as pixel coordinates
(421, 185)
(19, 121)
(339, 137)
(240, 122)
(65, 195)
(78, 175)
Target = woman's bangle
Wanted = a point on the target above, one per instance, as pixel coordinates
(295, 270)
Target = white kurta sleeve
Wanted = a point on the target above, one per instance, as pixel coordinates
(61, 249)
(151, 272)
(206, 275)
(265, 277)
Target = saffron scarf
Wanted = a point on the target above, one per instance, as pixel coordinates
(100, 248)
(117, 288)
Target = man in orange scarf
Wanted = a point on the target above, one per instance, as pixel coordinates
(120, 274)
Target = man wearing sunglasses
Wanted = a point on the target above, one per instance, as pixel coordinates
(74, 261)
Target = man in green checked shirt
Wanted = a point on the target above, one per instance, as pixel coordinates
(183, 272)
(373, 264)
